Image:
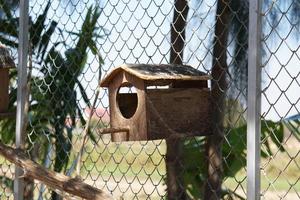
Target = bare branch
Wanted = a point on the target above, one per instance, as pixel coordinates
(74, 186)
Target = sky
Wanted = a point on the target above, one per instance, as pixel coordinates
(138, 32)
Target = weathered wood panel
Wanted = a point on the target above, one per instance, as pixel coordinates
(4, 98)
(189, 84)
(136, 124)
(178, 112)
(6, 115)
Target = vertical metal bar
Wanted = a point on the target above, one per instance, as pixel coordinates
(21, 93)
(254, 101)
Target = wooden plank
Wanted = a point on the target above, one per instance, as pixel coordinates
(54, 180)
(137, 124)
(4, 98)
(112, 130)
(189, 84)
(178, 83)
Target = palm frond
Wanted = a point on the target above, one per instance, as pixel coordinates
(37, 28)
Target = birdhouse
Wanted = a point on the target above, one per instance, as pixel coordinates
(158, 101)
(6, 62)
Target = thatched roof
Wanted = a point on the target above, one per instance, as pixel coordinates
(157, 72)
(6, 61)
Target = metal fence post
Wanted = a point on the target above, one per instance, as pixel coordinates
(254, 101)
(21, 93)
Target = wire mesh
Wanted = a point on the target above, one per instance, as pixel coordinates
(280, 72)
(74, 44)
(8, 37)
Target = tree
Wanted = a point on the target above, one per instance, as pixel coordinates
(231, 22)
(219, 88)
(51, 103)
(39, 40)
(174, 164)
(62, 91)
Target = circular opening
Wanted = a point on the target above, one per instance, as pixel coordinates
(127, 100)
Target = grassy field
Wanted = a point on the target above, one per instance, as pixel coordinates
(280, 174)
(143, 164)
(137, 170)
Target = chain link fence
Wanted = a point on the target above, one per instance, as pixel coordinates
(74, 44)
(8, 37)
(280, 97)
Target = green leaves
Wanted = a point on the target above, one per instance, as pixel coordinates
(9, 28)
(234, 150)
(7, 183)
(45, 39)
(6, 6)
(272, 133)
(38, 37)
(61, 78)
(234, 153)
(37, 28)
(53, 93)
(194, 178)
(293, 127)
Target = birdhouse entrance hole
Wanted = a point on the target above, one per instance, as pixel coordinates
(127, 100)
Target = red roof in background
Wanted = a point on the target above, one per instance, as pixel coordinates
(99, 113)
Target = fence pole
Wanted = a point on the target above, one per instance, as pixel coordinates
(254, 101)
(21, 92)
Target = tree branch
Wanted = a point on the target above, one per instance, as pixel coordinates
(74, 186)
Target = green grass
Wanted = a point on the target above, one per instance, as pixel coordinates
(127, 159)
(146, 160)
(279, 172)
(135, 160)
(267, 183)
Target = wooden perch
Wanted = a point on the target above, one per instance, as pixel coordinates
(112, 130)
(73, 186)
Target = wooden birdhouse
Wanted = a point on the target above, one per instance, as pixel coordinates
(6, 62)
(158, 101)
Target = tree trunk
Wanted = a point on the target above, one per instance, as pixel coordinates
(175, 169)
(219, 88)
(178, 25)
(174, 158)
